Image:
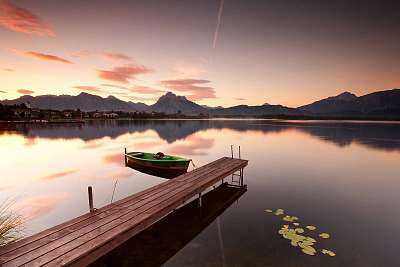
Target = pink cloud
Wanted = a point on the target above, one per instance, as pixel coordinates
(146, 90)
(240, 98)
(123, 73)
(81, 53)
(192, 87)
(41, 56)
(22, 20)
(25, 91)
(115, 86)
(115, 56)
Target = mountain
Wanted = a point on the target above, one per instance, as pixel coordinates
(382, 103)
(245, 110)
(171, 103)
(83, 101)
(333, 104)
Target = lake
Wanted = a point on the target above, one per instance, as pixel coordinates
(342, 177)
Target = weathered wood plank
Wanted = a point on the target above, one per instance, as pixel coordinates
(84, 239)
(108, 210)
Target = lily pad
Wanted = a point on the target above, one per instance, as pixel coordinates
(309, 250)
(296, 224)
(324, 235)
(328, 252)
(299, 230)
(311, 227)
(279, 212)
(268, 210)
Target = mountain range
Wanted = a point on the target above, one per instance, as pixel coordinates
(378, 104)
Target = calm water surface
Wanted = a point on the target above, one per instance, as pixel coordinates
(343, 177)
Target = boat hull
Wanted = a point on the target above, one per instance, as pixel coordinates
(158, 168)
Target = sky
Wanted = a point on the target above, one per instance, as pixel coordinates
(214, 52)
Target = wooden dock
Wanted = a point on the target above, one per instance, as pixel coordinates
(84, 239)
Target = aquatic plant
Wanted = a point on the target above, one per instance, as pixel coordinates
(297, 237)
(10, 224)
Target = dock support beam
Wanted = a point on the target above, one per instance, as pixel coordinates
(199, 201)
(90, 194)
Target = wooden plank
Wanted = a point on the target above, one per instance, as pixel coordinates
(155, 197)
(125, 230)
(98, 213)
(68, 243)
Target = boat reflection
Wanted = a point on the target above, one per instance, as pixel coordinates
(161, 241)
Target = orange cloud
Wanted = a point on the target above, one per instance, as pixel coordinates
(22, 20)
(57, 174)
(239, 98)
(115, 56)
(37, 206)
(89, 88)
(115, 86)
(9, 70)
(191, 87)
(41, 56)
(25, 91)
(146, 90)
(3, 92)
(122, 74)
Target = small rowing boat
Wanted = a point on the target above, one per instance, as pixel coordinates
(158, 164)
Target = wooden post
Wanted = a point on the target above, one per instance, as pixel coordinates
(90, 193)
(126, 162)
(239, 153)
(199, 201)
(232, 150)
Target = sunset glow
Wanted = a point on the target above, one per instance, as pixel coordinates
(213, 52)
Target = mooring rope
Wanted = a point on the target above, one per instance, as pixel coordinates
(194, 166)
(115, 185)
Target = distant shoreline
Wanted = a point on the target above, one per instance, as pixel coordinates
(173, 118)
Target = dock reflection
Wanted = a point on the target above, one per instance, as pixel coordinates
(161, 241)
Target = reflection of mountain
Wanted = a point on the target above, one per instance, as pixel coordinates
(373, 134)
(164, 239)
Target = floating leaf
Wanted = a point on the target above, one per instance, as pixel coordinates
(324, 235)
(309, 250)
(311, 227)
(288, 218)
(299, 230)
(328, 252)
(268, 210)
(296, 224)
(279, 212)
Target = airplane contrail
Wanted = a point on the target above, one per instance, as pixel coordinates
(221, 8)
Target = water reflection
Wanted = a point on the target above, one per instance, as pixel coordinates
(340, 176)
(375, 135)
(164, 239)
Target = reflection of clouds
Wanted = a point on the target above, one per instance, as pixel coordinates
(93, 144)
(37, 206)
(51, 176)
(29, 141)
(145, 145)
(192, 146)
(121, 173)
(116, 158)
